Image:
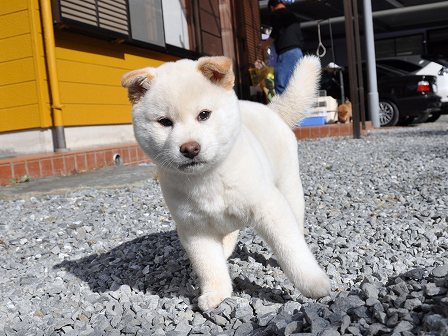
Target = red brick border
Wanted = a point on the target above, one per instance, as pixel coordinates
(331, 130)
(67, 163)
(73, 162)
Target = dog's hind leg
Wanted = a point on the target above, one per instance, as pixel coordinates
(206, 254)
(229, 242)
(276, 223)
(290, 186)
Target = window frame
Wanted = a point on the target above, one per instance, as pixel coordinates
(65, 23)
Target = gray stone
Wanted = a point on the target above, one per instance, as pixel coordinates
(198, 319)
(417, 273)
(183, 327)
(293, 327)
(370, 291)
(291, 307)
(435, 322)
(371, 302)
(403, 326)
(378, 328)
(354, 330)
(345, 323)
(347, 303)
(105, 259)
(244, 329)
(329, 332)
(411, 304)
(380, 316)
(432, 289)
(264, 320)
(440, 271)
(219, 320)
(262, 309)
(392, 320)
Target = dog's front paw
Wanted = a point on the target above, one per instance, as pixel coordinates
(210, 300)
(316, 285)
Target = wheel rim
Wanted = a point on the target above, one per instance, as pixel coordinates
(386, 113)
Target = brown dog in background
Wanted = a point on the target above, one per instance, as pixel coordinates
(345, 112)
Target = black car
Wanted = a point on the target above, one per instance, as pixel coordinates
(403, 98)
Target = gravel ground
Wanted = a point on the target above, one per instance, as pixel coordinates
(106, 261)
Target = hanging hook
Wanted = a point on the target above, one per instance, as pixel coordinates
(321, 50)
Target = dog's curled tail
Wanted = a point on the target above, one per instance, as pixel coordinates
(300, 92)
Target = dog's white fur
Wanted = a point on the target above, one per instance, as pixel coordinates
(243, 169)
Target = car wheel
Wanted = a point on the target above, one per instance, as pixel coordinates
(388, 113)
(434, 116)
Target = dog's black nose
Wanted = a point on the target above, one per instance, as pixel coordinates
(190, 149)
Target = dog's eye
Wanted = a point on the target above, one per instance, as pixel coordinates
(204, 115)
(165, 122)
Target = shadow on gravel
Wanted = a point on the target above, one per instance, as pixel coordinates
(155, 264)
(429, 133)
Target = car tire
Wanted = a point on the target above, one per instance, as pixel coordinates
(388, 113)
(434, 116)
(421, 119)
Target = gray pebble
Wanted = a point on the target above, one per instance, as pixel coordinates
(107, 261)
(244, 329)
(440, 271)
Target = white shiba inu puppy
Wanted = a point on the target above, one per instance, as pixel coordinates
(224, 164)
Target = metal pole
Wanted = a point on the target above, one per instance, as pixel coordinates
(372, 95)
(352, 70)
(341, 82)
(361, 92)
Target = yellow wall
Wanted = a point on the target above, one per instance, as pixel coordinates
(22, 87)
(89, 71)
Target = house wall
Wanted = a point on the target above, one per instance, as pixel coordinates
(90, 71)
(23, 92)
(95, 108)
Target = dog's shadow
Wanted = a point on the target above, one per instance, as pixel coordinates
(155, 264)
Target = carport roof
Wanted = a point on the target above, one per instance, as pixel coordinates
(388, 15)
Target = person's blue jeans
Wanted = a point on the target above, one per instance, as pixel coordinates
(284, 68)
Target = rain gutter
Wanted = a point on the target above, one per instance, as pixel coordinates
(50, 57)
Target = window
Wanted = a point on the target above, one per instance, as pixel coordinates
(174, 26)
(437, 46)
(399, 46)
(147, 21)
(400, 64)
(109, 15)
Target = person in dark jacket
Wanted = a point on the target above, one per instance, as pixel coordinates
(288, 41)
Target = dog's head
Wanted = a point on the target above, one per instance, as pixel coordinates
(185, 113)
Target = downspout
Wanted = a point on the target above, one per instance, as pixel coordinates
(372, 96)
(50, 57)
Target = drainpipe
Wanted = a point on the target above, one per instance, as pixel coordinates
(371, 65)
(50, 57)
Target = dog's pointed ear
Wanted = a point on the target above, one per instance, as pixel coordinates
(138, 82)
(217, 69)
